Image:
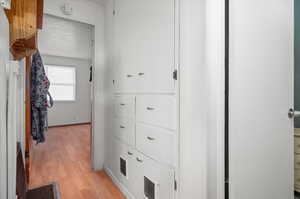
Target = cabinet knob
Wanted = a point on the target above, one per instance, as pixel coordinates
(122, 104)
(122, 127)
(150, 108)
(150, 138)
(141, 74)
(129, 75)
(139, 160)
(130, 153)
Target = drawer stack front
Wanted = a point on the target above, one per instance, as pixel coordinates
(145, 142)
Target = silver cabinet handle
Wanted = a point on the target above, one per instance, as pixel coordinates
(130, 153)
(150, 138)
(122, 104)
(122, 127)
(150, 108)
(139, 160)
(129, 75)
(141, 74)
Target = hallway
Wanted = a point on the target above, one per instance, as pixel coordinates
(65, 158)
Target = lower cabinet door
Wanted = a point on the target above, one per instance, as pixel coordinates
(120, 161)
(143, 177)
(158, 181)
(136, 183)
(151, 180)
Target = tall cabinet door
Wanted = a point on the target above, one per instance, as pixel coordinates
(260, 96)
(144, 31)
(125, 46)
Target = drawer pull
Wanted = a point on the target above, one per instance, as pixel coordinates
(122, 127)
(141, 74)
(139, 160)
(150, 108)
(151, 138)
(129, 76)
(122, 104)
(130, 153)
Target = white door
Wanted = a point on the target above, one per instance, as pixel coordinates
(260, 95)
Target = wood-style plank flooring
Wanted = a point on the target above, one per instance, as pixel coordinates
(65, 158)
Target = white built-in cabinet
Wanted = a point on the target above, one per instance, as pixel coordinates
(145, 132)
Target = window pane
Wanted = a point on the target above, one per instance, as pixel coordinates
(62, 93)
(61, 74)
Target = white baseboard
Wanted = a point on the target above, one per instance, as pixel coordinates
(115, 180)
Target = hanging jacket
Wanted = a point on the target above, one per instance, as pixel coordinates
(39, 103)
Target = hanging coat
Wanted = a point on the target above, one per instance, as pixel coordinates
(39, 103)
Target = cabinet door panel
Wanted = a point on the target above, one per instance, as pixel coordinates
(137, 183)
(161, 179)
(144, 44)
(124, 46)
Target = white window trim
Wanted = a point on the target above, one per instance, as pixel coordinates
(65, 84)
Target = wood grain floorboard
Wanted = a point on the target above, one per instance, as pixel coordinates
(65, 158)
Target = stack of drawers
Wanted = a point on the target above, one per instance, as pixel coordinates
(297, 159)
(144, 146)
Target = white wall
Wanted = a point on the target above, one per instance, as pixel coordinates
(79, 111)
(91, 13)
(4, 57)
(65, 38)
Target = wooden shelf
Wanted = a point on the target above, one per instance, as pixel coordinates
(25, 18)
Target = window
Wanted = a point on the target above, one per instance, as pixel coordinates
(63, 82)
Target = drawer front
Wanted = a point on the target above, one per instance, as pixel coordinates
(157, 110)
(124, 129)
(297, 178)
(297, 131)
(156, 142)
(297, 161)
(297, 144)
(124, 106)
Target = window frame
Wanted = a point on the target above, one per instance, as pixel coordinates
(61, 84)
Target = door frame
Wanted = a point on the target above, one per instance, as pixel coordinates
(94, 16)
(226, 101)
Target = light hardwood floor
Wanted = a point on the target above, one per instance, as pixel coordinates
(65, 158)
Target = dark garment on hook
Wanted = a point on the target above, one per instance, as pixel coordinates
(39, 103)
